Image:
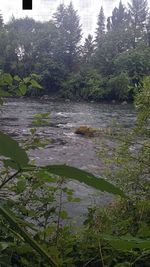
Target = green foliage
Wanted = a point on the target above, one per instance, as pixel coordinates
(88, 50)
(130, 162)
(27, 238)
(40, 119)
(100, 31)
(69, 35)
(127, 243)
(26, 186)
(6, 79)
(15, 86)
(84, 177)
(142, 101)
(130, 150)
(10, 149)
(119, 86)
(89, 85)
(136, 63)
(35, 140)
(35, 228)
(138, 12)
(86, 84)
(54, 51)
(1, 22)
(34, 84)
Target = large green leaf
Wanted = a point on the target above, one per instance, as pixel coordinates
(35, 84)
(7, 78)
(13, 224)
(23, 88)
(17, 78)
(84, 177)
(5, 260)
(26, 80)
(10, 163)
(4, 93)
(128, 243)
(11, 149)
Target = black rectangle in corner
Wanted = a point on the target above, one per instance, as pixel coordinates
(26, 4)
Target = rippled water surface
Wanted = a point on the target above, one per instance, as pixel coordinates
(67, 147)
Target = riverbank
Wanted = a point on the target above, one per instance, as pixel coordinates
(57, 97)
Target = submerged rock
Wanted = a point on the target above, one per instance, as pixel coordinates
(67, 100)
(44, 97)
(124, 103)
(86, 131)
(92, 132)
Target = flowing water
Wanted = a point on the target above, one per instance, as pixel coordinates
(67, 147)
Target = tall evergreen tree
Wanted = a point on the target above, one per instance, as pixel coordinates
(148, 30)
(121, 35)
(109, 24)
(118, 16)
(138, 11)
(88, 49)
(116, 41)
(59, 16)
(1, 21)
(100, 31)
(68, 25)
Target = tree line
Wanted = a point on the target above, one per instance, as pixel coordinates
(109, 66)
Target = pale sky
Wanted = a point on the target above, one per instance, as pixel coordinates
(43, 9)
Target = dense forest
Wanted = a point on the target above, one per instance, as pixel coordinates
(108, 66)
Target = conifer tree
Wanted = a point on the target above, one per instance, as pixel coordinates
(138, 12)
(1, 21)
(100, 31)
(117, 38)
(118, 16)
(68, 25)
(109, 24)
(148, 30)
(59, 16)
(88, 49)
(120, 28)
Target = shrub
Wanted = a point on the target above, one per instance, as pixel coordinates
(119, 86)
(87, 85)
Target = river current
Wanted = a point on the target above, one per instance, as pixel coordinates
(67, 147)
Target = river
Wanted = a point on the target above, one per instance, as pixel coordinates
(67, 147)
